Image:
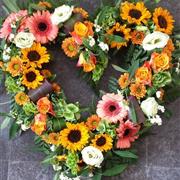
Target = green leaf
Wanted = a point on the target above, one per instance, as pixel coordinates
(56, 177)
(118, 68)
(126, 154)
(5, 123)
(115, 38)
(48, 160)
(133, 68)
(14, 130)
(97, 176)
(58, 124)
(133, 113)
(115, 170)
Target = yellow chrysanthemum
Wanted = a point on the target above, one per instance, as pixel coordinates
(124, 80)
(138, 90)
(102, 142)
(32, 78)
(15, 66)
(163, 20)
(21, 98)
(135, 13)
(52, 138)
(74, 137)
(35, 56)
(119, 31)
(81, 11)
(70, 47)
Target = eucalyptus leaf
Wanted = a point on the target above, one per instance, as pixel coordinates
(118, 68)
(5, 123)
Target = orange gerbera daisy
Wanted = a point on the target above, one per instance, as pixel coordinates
(137, 37)
(70, 47)
(169, 48)
(21, 98)
(138, 90)
(124, 80)
(92, 122)
(81, 11)
(15, 66)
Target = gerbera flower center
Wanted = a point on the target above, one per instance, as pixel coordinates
(112, 108)
(42, 26)
(31, 76)
(126, 132)
(101, 141)
(16, 66)
(74, 136)
(33, 56)
(134, 13)
(162, 22)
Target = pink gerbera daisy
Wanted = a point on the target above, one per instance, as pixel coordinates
(41, 26)
(6, 29)
(112, 108)
(127, 133)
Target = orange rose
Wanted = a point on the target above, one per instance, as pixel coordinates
(143, 75)
(160, 62)
(39, 125)
(81, 29)
(44, 106)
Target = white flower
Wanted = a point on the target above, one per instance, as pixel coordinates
(6, 53)
(104, 46)
(156, 120)
(61, 14)
(92, 156)
(53, 148)
(19, 122)
(11, 37)
(92, 41)
(24, 40)
(62, 176)
(155, 40)
(158, 94)
(6, 57)
(57, 167)
(142, 28)
(150, 107)
(161, 108)
(24, 127)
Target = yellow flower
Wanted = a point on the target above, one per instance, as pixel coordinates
(54, 138)
(61, 157)
(32, 78)
(74, 137)
(81, 11)
(70, 47)
(15, 66)
(138, 90)
(81, 29)
(137, 37)
(45, 4)
(21, 98)
(124, 80)
(119, 31)
(163, 20)
(135, 13)
(102, 142)
(35, 56)
(92, 122)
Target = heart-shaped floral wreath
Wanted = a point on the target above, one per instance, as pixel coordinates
(102, 143)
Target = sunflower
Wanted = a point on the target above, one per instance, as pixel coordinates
(15, 66)
(135, 13)
(81, 11)
(119, 31)
(138, 90)
(35, 56)
(137, 37)
(70, 47)
(21, 98)
(74, 137)
(163, 20)
(124, 80)
(92, 122)
(32, 78)
(102, 142)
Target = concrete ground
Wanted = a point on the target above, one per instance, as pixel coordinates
(159, 155)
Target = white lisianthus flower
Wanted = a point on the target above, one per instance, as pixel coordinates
(24, 40)
(61, 14)
(104, 46)
(92, 156)
(155, 40)
(150, 107)
(6, 54)
(156, 120)
(92, 41)
(62, 176)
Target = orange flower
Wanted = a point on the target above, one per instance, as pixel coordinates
(124, 80)
(70, 47)
(169, 48)
(143, 75)
(81, 11)
(1, 64)
(46, 73)
(87, 64)
(54, 138)
(45, 4)
(44, 106)
(56, 88)
(138, 90)
(39, 125)
(160, 62)
(137, 37)
(92, 122)
(21, 98)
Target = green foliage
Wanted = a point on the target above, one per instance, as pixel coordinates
(14, 130)
(30, 108)
(126, 154)
(132, 113)
(113, 85)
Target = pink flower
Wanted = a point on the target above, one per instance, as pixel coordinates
(6, 29)
(127, 133)
(112, 108)
(41, 26)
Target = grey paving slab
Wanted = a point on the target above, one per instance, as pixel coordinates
(3, 170)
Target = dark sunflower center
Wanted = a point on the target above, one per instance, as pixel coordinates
(101, 141)
(127, 131)
(74, 136)
(112, 108)
(134, 13)
(162, 22)
(31, 76)
(119, 33)
(33, 56)
(42, 26)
